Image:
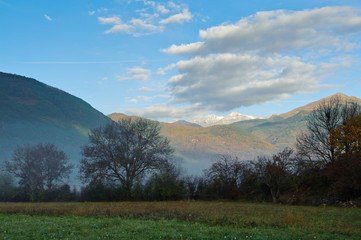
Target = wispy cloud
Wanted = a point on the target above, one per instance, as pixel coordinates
(151, 19)
(48, 18)
(75, 62)
(146, 89)
(178, 18)
(110, 20)
(136, 73)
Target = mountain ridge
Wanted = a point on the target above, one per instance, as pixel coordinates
(211, 120)
(246, 139)
(33, 112)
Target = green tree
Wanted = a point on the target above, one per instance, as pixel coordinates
(123, 152)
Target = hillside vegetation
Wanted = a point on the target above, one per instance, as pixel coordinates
(33, 112)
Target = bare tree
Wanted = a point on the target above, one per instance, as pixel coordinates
(274, 171)
(315, 144)
(226, 175)
(227, 169)
(38, 167)
(124, 151)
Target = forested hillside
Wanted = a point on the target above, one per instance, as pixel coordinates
(33, 112)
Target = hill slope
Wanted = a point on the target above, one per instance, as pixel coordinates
(281, 130)
(247, 139)
(198, 146)
(33, 112)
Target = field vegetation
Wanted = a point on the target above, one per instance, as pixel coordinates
(178, 220)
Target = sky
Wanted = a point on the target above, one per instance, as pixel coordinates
(171, 60)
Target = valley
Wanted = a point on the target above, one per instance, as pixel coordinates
(33, 112)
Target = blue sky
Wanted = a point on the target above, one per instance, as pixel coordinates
(170, 60)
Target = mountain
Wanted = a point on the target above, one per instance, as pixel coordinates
(199, 146)
(248, 138)
(33, 112)
(309, 107)
(211, 120)
(281, 130)
(183, 122)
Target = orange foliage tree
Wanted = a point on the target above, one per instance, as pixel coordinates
(346, 138)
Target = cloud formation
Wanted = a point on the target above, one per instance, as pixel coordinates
(152, 19)
(145, 89)
(222, 82)
(280, 31)
(178, 18)
(267, 56)
(136, 73)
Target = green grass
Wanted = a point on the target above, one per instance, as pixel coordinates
(74, 227)
(176, 220)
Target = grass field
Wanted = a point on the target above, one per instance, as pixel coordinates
(176, 220)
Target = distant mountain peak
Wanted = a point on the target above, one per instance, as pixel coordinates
(211, 120)
(311, 106)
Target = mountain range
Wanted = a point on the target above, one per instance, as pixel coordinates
(33, 112)
(211, 120)
(199, 146)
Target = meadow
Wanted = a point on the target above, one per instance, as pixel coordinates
(177, 220)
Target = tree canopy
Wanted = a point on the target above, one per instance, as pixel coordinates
(124, 151)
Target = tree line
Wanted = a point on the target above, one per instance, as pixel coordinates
(130, 160)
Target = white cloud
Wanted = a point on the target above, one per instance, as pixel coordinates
(48, 18)
(121, 78)
(145, 25)
(91, 13)
(178, 18)
(151, 19)
(110, 20)
(136, 73)
(144, 98)
(162, 9)
(279, 32)
(161, 71)
(120, 28)
(185, 48)
(146, 89)
(267, 56)
(222, 82)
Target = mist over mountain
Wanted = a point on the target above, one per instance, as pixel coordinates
(247, 139)
(33, 112)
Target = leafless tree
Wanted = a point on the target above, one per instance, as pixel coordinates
(274, 171)
(38, 167)
(123, 152)
(314, 144)
(227, 169)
